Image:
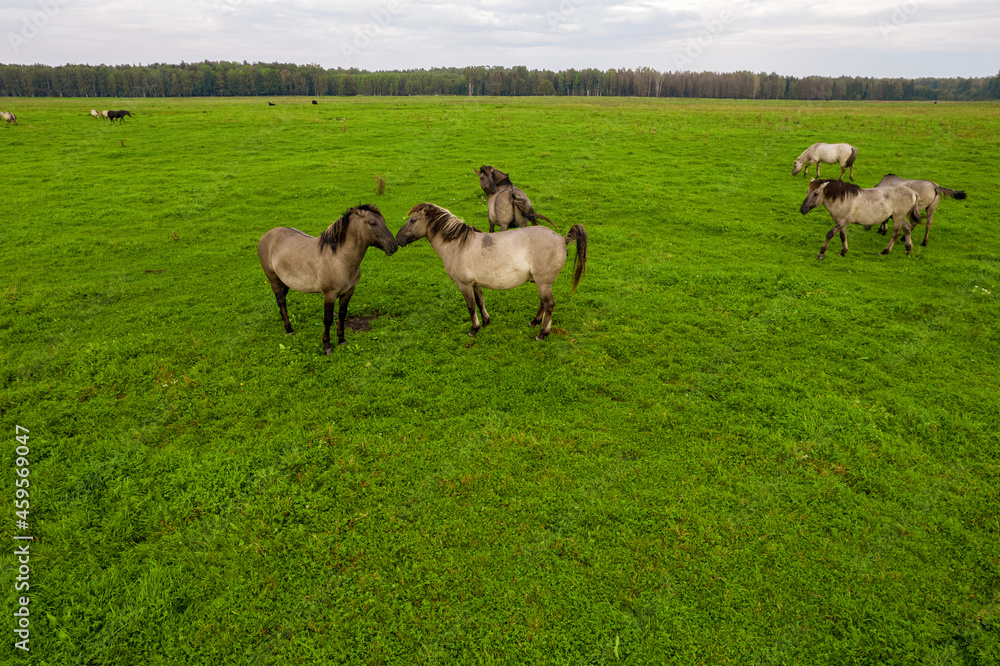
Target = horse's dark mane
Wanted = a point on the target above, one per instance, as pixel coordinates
(836, 189)
(441, 222)
(337, 232)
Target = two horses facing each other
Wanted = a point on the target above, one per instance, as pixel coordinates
(850, 204)
(331, 264)
(474, 260)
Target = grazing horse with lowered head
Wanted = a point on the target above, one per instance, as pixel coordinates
(929, 195)
(9, 117)
(94, 113)
(330, 264)
(119, 115)
(850, 204)
(506, 205)
(843, 154)
(474, 260)
(104, 114)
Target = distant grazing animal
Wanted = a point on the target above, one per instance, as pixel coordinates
(315, 102)
(104, 113)
(827, 153)
(474, 260)
(330, 264)
(506, 205)
(120, 115)
(95, 113)
(850, 204)
(929, 195)
(271, 104)
(9, 117)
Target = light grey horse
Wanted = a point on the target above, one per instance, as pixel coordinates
(474, 260)
(95, 113)
(929, 195)
(330, 264)
(9, 117)
(850, 204)
(843, 154)
(506, 205)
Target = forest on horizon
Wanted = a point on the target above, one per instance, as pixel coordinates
(224, 79)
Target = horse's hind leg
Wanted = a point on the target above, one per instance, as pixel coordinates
(545, 310)
(280, 290)
(930, 216)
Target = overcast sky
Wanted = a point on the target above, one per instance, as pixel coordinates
(906, 38)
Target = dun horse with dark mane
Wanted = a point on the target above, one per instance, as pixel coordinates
(330, 264)
(850, 204)
(474, 260)
(507, 205)
(929, 195)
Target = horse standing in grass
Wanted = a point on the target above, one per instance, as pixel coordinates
(506, 205)
(9, 117)
(929, 195)
(119, 115)
(330, 264)
(94, 113)
(843, 154)
(104, 114)
(474, 260)
(850, 204)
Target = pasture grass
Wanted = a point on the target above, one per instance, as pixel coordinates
(726, 452)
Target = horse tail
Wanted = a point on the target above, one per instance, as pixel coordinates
(578, 234)
(915, 218)
(948, 192)
(854, 156)
(528, 212)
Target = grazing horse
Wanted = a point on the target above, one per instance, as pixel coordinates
(474, 259)
(506, 205)
(9, 117)
(929, 195)
(330, 264)
(120, 115)
(850, 204)
(827, 153)
(104, 114)
(94, 113)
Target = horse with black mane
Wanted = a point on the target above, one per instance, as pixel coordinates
(849, 204)
(474, 260)
(929, 195)
(506, 204)
(330, 264)
(119, 115)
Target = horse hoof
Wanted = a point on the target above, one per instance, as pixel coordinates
(821, 256)
(534, 322)
(539, 337)
(924, 244)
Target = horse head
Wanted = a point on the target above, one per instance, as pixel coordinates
(416, 225)
(814, 197)
(486, 181)
(372, 228)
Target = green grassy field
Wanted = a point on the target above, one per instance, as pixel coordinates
(726, 452)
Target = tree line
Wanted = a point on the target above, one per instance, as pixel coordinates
(221, 79)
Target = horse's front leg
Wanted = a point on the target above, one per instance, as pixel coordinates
(822, 250)
(481, 303)
(470, 303)
(843, 243)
